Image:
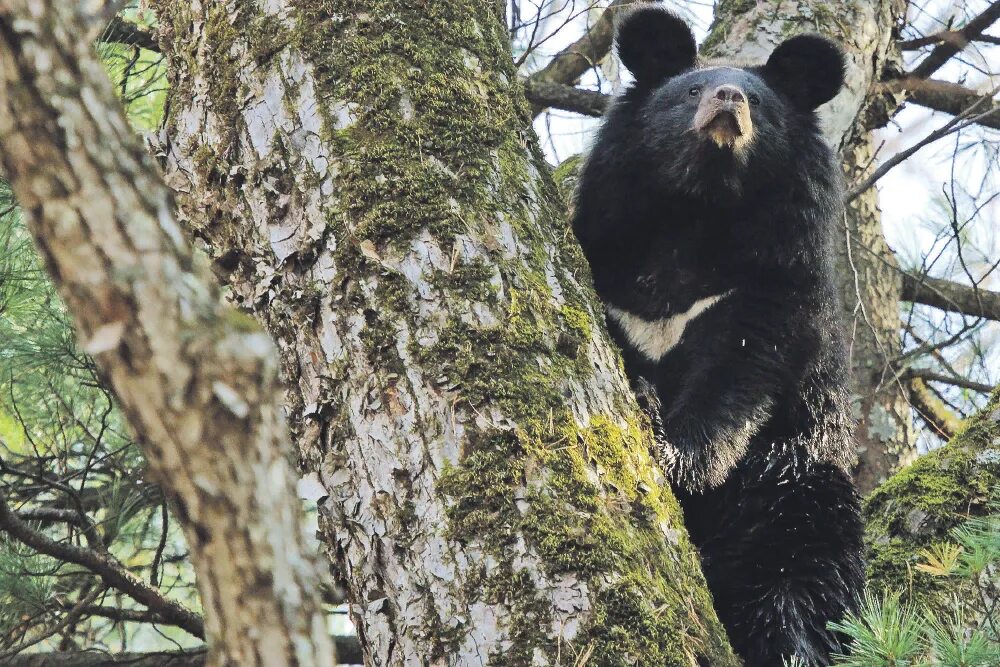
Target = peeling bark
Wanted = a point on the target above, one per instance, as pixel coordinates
(197, 381)
(365, 177)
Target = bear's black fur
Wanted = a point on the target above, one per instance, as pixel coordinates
(707, 209)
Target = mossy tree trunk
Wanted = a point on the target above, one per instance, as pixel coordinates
(921, 504)
(365, 177)
(869, 284)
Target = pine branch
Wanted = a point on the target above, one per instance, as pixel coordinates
(106, 567)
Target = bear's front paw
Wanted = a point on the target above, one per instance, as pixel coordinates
(694, 458)
(690, 470)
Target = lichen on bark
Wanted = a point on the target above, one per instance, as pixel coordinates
(366, 179)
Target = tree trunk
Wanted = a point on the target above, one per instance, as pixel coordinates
(871, 287)
(197, 381)
(365, 177)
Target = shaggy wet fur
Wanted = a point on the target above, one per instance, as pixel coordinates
(715, 263)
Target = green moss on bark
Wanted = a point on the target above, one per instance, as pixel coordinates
(429, 138)
(922, 503)
(599, 514)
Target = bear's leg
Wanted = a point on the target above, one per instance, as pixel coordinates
(782, 553)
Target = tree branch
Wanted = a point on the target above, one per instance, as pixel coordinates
(968, 117)
(547, 94)
(125, 32)
(952, 98)
(951, 296)
(192, 658)
(931, 410)
(71, 616)
(573, 62)
(952, 36)
(931, 376)
(106, 567)
(959, 40)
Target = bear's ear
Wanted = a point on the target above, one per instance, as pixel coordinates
(655, 44)
(808, 69)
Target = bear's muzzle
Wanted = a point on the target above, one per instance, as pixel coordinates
(723, 116)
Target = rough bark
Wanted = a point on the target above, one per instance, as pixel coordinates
(365, 177)
(197, 381)
(921, 504)
(871, 289)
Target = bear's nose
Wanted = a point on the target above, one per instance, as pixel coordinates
(729, 93)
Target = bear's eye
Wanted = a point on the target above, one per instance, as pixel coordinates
(695, 91)
(754, 100)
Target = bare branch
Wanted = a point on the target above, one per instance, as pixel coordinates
(952, 98)
(931, 376)
(106, 567)
(961, 38)
(968, 117)
(951, 296)
(571, 63)
(948, 36)
(547, 94)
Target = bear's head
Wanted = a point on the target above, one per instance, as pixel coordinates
(710, 126)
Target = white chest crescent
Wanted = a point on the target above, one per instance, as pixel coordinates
(657, 337)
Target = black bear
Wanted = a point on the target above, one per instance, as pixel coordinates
(707, 210)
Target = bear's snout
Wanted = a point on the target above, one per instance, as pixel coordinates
(723, 116)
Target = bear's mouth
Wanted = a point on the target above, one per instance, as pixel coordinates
(723, 127)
